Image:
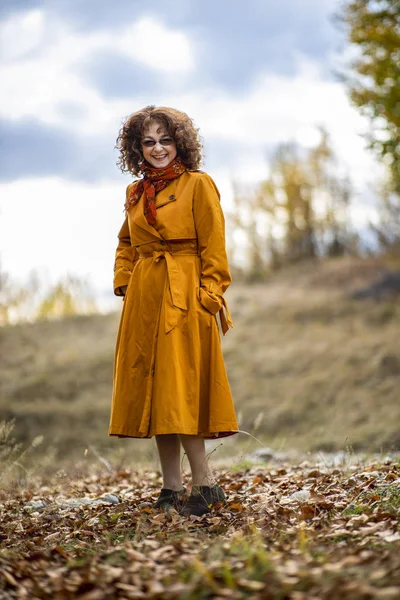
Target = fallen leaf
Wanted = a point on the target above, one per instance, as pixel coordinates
(237, 507)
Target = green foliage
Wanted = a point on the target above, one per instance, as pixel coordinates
(373, 27)
(385, 499)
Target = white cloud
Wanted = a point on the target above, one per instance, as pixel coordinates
(158, 48)
(60, 227)
(276, 108)
(46, 76)
(21, 34)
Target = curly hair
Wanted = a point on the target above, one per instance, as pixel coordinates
(178, 125)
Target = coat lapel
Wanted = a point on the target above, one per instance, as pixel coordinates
(140, 220)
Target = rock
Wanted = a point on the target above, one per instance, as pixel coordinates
(388, 365)
(36, 505)
(300, 496)
(68, 503)
(111, 498)
(333, 459)
(265, 453)
(386, 287)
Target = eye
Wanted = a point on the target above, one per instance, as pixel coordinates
(148, 143)
(166, 141)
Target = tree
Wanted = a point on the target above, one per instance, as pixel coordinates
(16, 299)
(332, 191)
(373, 27)
(69, 296)
(298, 213)
(387, 230)
(34, 299)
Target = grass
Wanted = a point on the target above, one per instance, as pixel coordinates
(383, 499)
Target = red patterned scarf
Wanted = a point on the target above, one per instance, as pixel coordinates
(152, 182)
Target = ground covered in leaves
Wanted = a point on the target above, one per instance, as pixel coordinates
(304, 531)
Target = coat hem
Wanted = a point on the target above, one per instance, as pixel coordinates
(222, 432)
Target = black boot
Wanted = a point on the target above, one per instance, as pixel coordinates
(201, 500)
(171, 499)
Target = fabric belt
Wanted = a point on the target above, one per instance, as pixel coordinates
(176, 301)
(226, 321)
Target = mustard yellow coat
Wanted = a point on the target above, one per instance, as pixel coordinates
(169, 372)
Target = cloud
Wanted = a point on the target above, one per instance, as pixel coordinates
(252, 77)
(278, 108)
(49, 73)
(157, 47)
(28, 28)
(60, 227)
(106, 74)
(238, 129)
(231, 42)
(235, 45)
(116, 76)
(31, 148)
(223, 49)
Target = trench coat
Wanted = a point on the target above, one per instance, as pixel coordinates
(169, 371)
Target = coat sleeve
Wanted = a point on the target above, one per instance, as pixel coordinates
(125, 257)
(210, 228)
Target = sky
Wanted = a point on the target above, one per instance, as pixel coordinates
(251, 75)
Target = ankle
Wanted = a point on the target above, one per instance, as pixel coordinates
(169, 485)
(207, 481)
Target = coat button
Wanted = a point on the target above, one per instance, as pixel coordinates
(172, 197)
(163, 242)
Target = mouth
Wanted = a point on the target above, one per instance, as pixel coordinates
(160, 157)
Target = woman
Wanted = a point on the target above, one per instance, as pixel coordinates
(171, 267)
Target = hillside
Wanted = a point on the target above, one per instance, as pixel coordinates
(311, 368)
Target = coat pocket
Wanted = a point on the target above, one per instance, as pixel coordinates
(172, 198)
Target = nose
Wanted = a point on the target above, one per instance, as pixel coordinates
(158, 146)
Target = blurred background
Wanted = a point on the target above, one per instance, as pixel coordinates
(298, 104)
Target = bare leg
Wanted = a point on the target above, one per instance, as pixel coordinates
(195, 449)
(169, 450)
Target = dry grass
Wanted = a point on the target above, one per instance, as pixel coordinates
(309, 367)
(317, 369)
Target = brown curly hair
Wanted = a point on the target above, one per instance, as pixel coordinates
(178, 125)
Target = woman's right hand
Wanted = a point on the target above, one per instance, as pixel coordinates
(123, 289)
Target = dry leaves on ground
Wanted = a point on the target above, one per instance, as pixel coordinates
(300, 532)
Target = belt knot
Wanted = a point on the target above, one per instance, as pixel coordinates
(157, 254)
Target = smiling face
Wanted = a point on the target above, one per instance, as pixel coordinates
(158, 147)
